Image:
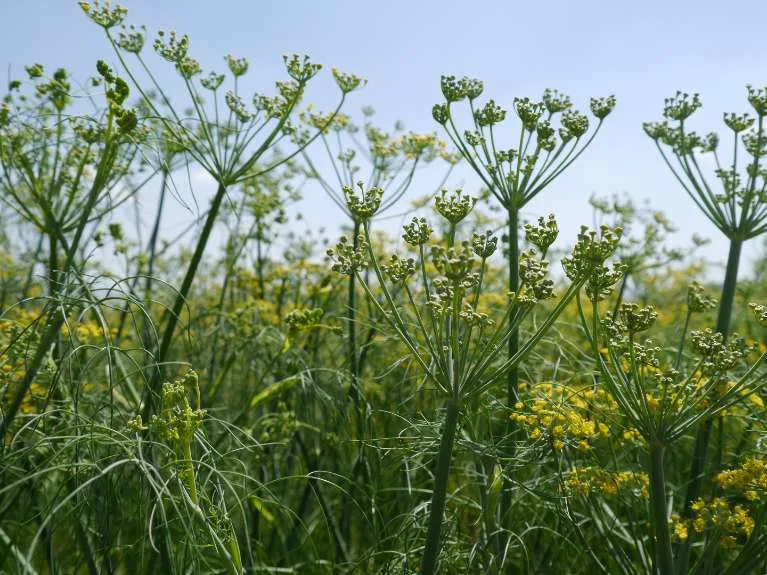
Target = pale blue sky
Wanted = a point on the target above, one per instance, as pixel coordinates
(639, 51)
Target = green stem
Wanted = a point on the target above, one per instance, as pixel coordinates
(439, 494)
(664, 562)
(512, 382)
(188, 473)
(728, 289)
(351, 318)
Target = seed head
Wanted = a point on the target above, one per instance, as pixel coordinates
(575, 123)
(738, 122)
(398, 269)
(758, 100)
(760, 312)
(543, 234)
(602, 107)
(103, 14)
(417, 232)
(529, 112)
(681, 106)
(440, 113)
(555, 101)
(484, 245)
(212, 81)
(455, 206)
(697, 300)
(364, 205)
(637, 319)
(346, 258)
(490, 114)
(347, 82)
(301, 68)
(173, 48)
(237, 66)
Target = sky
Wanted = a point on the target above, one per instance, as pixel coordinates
(640, 51)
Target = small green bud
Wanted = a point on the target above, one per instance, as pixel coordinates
(454, 207)
(602, 107)
(681, 106)
(555, 101)
(697, 300)
(301, 69)
(490, 114)
(417, 232)
(237, 66)
(543, 234)
(452, 89)
(132, 39)
(738, 122)
(212, 81)
(440, 113)
(758, 100)
(529, 112)
(347, 82)
(484, 245)
(398, 270)
(575, 123)
(637, 319)
(366, 204)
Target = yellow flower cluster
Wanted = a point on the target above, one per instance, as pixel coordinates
(595, 480)
(563, 415)
(17, 338)
(731, 522)
(679, 530)
(86, 332)
(750, 479)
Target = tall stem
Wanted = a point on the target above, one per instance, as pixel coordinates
(728, 289)
(178, 304)
(351, 318)
(664, 562)
(512, 382)
(439, 494)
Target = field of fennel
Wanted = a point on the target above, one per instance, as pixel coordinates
(473, 394)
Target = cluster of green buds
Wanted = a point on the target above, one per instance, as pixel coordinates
(665, 402)
(735, 209)
(177, 424)
(516, 175)
(364, 205)
(347, 82)
(760, 312)
(178, 421)
(454, 206)
(349, 257)
(117, 91)
(302, 319)
(442, 316)
(104, 14)
(587, 261)
(542, 234)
